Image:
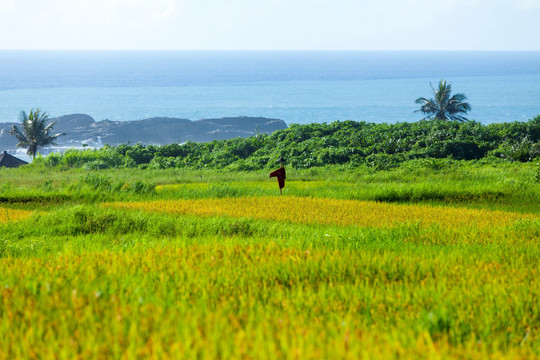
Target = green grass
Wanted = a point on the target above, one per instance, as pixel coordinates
(81, 280)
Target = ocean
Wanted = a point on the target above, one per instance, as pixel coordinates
(298, 87)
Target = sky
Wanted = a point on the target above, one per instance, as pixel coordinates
(271, 24)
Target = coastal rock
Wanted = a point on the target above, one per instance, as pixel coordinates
(83, 129)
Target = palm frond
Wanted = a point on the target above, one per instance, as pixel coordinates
(19, 135)
(34, 131)
(444, 106)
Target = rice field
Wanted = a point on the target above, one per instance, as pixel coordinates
(305, 210)
(7, 214)
(200, 271)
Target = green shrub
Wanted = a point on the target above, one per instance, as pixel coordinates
(96, 165)
(96, 182)
(141, 187)
(382, 161)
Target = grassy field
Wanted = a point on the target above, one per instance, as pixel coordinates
(430, 260)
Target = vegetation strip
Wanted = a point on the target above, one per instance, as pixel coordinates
(331, 211)
(7, 215)
(348, 143)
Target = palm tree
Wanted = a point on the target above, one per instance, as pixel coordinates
(35, 131)
(443, 106)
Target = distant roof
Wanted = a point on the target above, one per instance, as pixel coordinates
(10, 161)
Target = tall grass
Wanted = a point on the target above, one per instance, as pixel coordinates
(231, 297)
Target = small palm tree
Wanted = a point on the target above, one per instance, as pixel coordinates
(443, 106)
(35, 131)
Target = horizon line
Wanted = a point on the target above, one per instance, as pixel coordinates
(275, 50)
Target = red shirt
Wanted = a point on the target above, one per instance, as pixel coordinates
(281, 176)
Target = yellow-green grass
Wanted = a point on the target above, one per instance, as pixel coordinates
(496, 194)
(333, 212)
(231, 299)
(7, 214)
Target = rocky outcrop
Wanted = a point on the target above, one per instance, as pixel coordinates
(83, 129)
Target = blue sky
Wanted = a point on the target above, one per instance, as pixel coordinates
(271, 24)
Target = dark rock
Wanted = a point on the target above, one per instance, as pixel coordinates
(83, 129)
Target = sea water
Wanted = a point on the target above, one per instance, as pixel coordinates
(298, 87)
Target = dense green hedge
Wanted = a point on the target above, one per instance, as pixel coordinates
(350, 143)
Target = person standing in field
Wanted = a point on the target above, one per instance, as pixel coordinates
(280, 174)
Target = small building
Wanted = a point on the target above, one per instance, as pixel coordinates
(10, 161)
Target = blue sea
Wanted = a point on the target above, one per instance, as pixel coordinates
(298, 87)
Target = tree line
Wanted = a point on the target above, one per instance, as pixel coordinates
(348, 143)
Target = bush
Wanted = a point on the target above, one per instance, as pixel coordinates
(96, 182)
(52, 160)
(141, 187)
(382, 161)
(96, 165)
(103, 184)
(522, 150)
